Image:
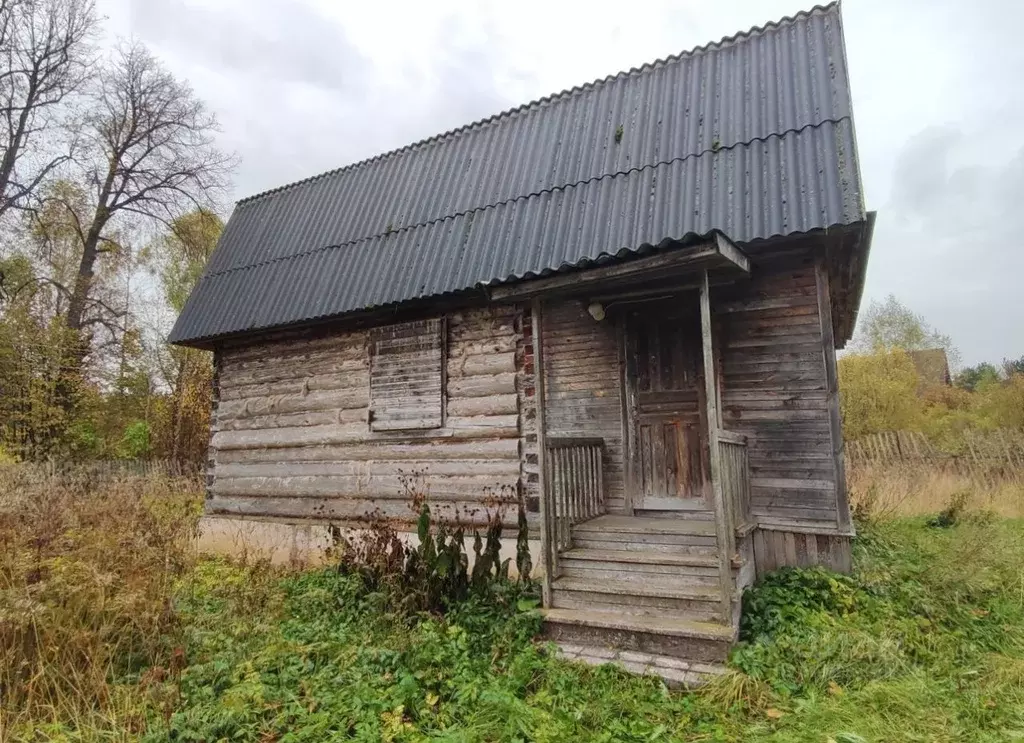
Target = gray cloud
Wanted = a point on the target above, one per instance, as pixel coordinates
(939, 108)
(296, 97)
(949, 242)
(274, 42)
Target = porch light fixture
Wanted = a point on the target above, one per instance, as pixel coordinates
(596, 310)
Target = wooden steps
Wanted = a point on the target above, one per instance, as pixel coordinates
(686, 640)
(605, 564)
(646, 535)
(643, 592)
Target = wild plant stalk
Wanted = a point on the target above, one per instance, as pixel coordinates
(86, 578)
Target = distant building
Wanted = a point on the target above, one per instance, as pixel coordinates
(932, 366)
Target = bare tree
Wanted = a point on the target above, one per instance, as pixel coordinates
(45, 58)
(153, 158)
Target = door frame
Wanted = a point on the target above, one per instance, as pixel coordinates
(634, 498)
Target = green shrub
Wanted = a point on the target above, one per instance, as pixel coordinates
(792, 599)
(135, 441)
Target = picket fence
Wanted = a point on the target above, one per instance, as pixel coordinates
(104, 470)
(997, 453)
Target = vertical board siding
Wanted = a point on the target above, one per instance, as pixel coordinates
(774, 391)
(292, 437)
(778, 549)
(583, 385)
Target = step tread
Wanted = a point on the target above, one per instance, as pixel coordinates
(643, 586)
(657, 625)
(645, 525)
(641, 557)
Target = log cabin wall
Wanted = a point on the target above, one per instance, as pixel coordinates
(584, 385)
(292, 438)
(775, 391)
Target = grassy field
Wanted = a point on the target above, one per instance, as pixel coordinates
(112, 629)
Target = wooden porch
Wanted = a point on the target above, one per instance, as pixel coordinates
(655, 586)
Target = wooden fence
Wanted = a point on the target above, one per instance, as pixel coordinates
(998, 453)
(110, 469)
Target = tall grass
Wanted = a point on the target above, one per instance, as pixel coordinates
(912, 489)
(87, 574)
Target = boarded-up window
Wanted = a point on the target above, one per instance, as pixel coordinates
(407, 376)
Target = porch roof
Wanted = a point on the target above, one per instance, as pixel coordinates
(751, 137)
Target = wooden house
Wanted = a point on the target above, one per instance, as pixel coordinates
(617, 306)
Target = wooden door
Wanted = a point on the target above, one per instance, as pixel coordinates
(666, 410)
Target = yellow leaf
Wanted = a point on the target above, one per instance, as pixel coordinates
(432, 699)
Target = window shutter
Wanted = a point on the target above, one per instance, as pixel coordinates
(407, 376)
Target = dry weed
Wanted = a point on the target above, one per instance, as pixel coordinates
(881, 491)
(86, 575)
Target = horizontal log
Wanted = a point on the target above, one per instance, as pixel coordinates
(296, 356)
(488, 365)
(484, 423)
(493, 405)
(506, 469)
(328, 509)
(504, 343)
(296, 386)
(430, 450)
(276, 404)
(285, 437)
(351, 339)
(482, 386)
(468, 487)
(288, 420)
(299, 371)
(475, 427)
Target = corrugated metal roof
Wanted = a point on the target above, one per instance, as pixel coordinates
(751, 136)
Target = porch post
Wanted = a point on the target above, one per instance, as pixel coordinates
(546, 510)
(723, 524)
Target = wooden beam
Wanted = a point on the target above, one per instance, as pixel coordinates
(723, 529)
(581, 279)
(828, 352)
(627, 377)
(727, 248)
(546, 512)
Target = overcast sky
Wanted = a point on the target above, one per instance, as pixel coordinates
(303, 86)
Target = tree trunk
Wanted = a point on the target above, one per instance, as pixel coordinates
(90, 252)
(176, 413)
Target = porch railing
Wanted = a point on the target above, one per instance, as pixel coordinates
(575, 486)
(735, 474)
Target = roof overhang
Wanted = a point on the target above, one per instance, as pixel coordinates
(718, 255)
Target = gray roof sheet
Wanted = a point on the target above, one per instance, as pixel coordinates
(751, 136)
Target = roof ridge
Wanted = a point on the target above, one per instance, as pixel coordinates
(738, 37)
(522, 197)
